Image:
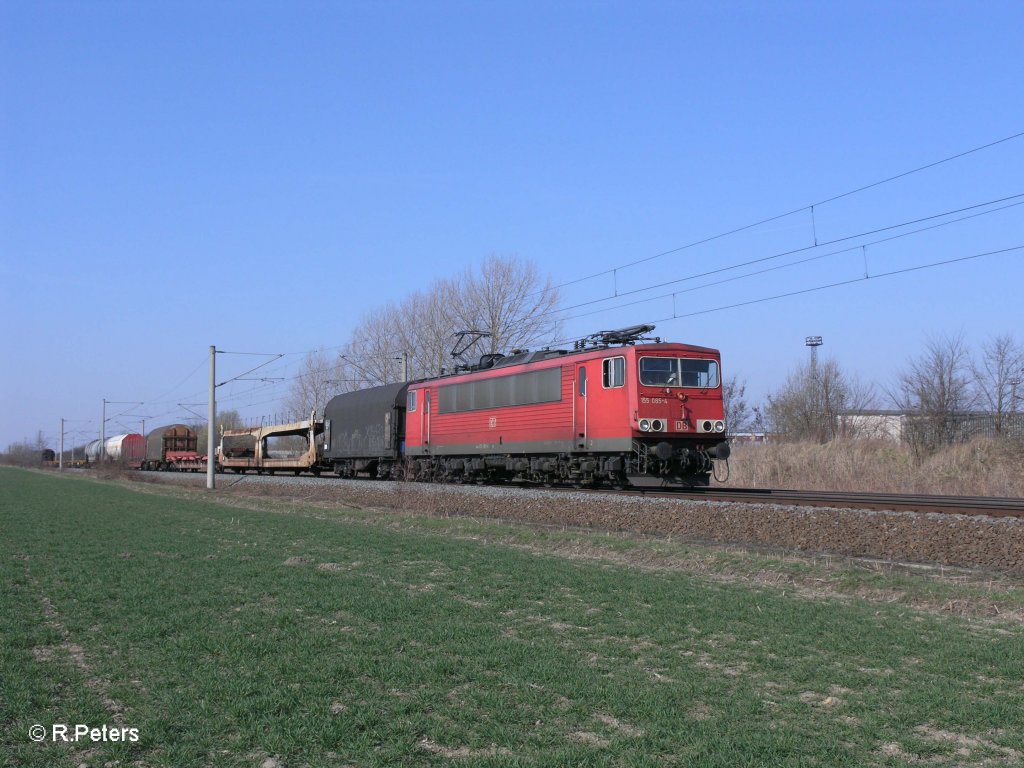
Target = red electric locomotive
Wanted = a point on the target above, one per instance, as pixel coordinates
(620, 409)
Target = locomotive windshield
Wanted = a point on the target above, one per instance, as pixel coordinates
(675, 372)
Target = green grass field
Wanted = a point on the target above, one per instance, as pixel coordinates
(230, 636)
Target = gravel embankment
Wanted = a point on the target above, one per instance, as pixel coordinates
(996, 543)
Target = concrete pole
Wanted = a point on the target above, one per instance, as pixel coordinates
(60, 461)
(101, 454)
(405, 366)
(211, 419)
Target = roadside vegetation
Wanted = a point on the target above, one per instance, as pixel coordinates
(281, 633)
(945, 395)
(981, 467)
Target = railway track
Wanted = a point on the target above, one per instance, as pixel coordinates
(953, 505)
(973, 532)
(989, 506)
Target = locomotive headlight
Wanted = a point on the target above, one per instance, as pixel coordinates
(707, 426)
(719, 426)
(658, 425)
(645, 425)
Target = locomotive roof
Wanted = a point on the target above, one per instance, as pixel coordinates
(525, 357)
(521, 358)
(161, 431)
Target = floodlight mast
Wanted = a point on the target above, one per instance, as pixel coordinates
(813, 342)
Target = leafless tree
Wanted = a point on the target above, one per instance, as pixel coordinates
(740, 416)
(505, 298)
(997, 376)
(425, 329)
(25, 453)
(373, 355)
(315, 384)
(933, 389)
(809, 405)
(228, 419)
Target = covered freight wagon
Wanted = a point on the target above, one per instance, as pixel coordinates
(364, 431)
(171, 447)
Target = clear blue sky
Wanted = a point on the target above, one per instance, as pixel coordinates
(259, 175)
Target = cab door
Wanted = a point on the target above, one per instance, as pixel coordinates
(426, 417)
(580, 409)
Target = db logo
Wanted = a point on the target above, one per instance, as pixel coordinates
(493, 422)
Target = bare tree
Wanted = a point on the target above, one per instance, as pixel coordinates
(505, 298)
(25, 453)
(997, 375)
(373, 355)
(315, 384)
(809, 405)
(740, 416)
(933, 389)
(508, 300)
(228, 419)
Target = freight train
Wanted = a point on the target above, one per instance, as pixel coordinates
(619, 409)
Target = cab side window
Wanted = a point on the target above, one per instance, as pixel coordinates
(613, 372)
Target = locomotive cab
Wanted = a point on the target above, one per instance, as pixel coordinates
(677, 420)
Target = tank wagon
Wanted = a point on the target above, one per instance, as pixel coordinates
(613, 410)
(128, 449)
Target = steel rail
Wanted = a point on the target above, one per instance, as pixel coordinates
(992, 506)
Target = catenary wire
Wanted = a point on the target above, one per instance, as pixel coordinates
(770, 219)
(791, 252)
(760, 271)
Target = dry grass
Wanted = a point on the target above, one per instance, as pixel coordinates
(982, 467)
